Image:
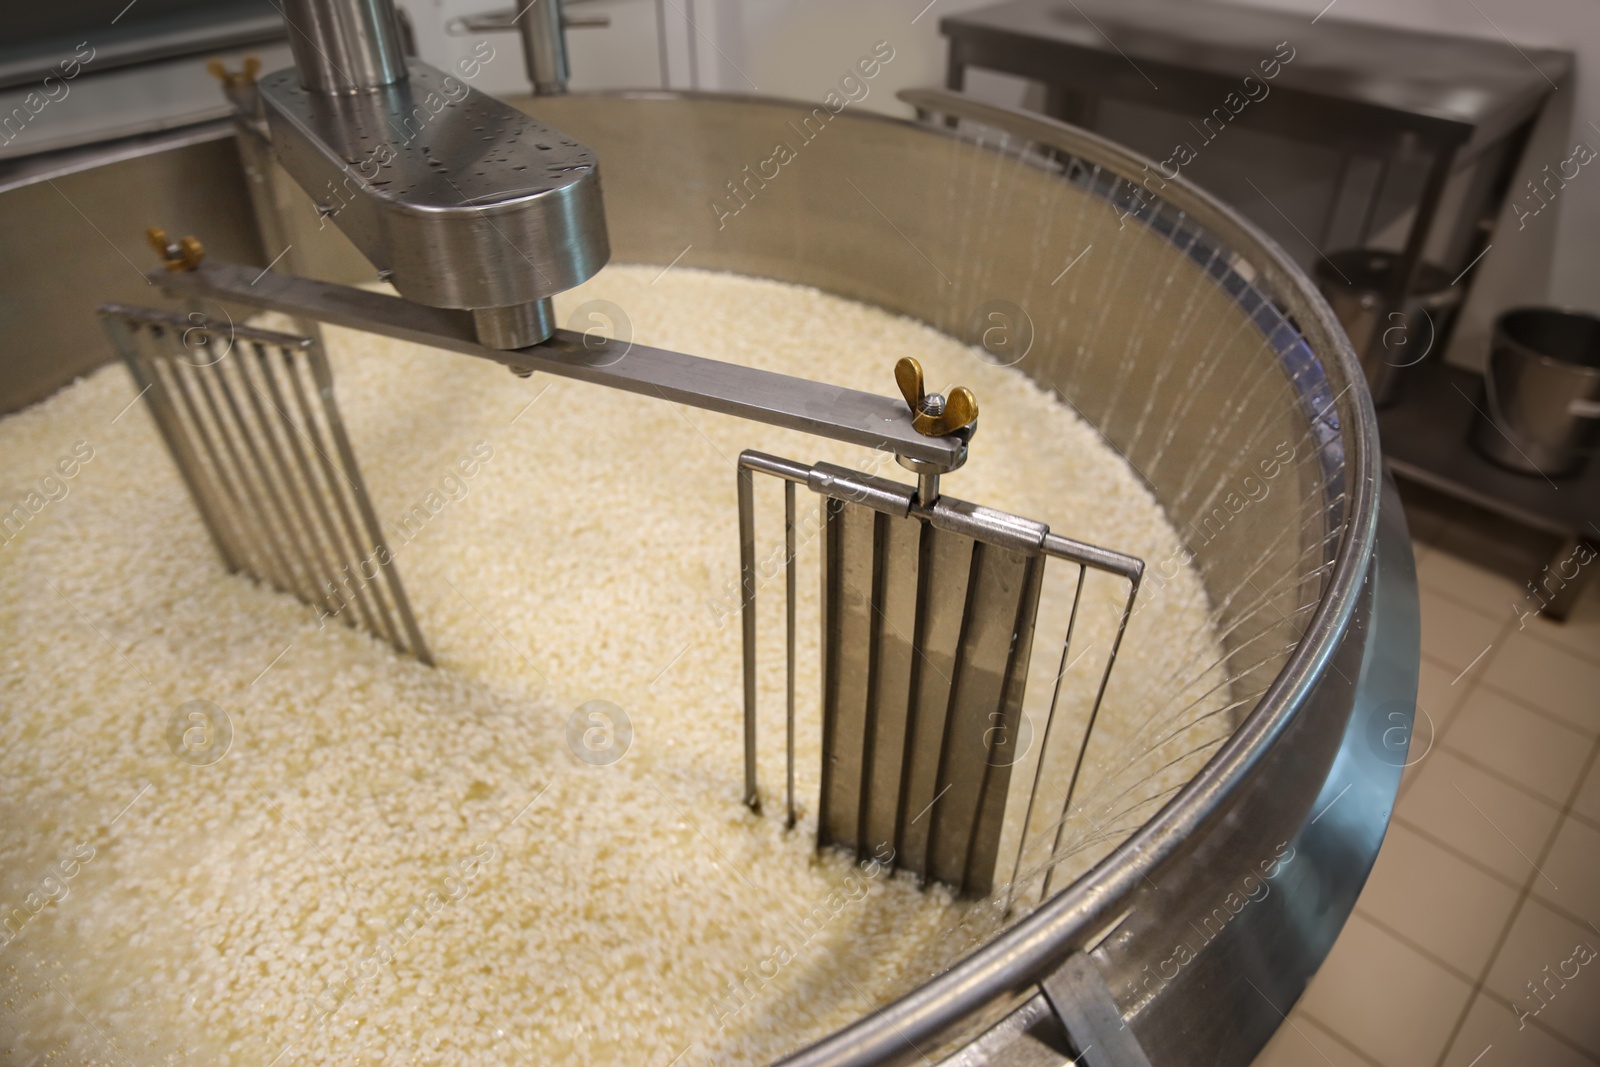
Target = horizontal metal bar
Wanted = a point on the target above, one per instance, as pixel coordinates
(143, 139)
(506, 22)
(485, 22)
(787, 469)
(957, 516)
(879, 494)
(762, 396)
(188, 329)
(986, 524)
(1130, 567)
(208, 30)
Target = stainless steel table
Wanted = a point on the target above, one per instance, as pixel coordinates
(1361, 88)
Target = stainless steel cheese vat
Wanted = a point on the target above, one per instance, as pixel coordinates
(1203, 355)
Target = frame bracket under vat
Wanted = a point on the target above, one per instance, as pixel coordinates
(1099, 1034)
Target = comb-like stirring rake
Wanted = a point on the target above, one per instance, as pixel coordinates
(929, 603)
(928, 613)
(270, 469)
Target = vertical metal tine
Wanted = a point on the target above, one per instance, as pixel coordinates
(241, 441)
(747, 618)
(848, 631)
(878, 530)
(347, 531)
(999, 740)
(202, 468)
(1094, 713)
(896, 558)
(127, 339)
(245, 453)
(239, 516)
(943, 568)
(273, 426)
(1044, 741)
(314, 490)
(358, 489)
(789, 554)
(749, 462)
(253, 515)
(825, 509)
(935, 862)
(312, 557)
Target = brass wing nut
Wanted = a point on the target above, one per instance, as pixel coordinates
(933, 415)
(234, 79)
(183, 254)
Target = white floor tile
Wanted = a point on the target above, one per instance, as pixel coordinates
(1300, 1042)
(1588, 802)
(1492, 1037)
(1437, 701)
(1433, 897)
(1573, 868)
(1399, 1004)
(1453, 634)
(1580, 634)
(1540, 939)
(1537, 751)
(1384, 998)
(1495, 823)
(1410, 774)
(1439, 694)
(1467, 583)
(1419, 548)
(1548, 677)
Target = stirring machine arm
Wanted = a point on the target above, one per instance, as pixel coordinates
(459, 200)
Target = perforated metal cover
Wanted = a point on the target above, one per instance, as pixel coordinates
(465, 201)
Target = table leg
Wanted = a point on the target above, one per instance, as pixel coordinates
(1483, 201)
(955, 69)
(1068, 106)
(1336, 200)
(1565, 592)
(1378, 184)
(1416, 243)
(955, 77)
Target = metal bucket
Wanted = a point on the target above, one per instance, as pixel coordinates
(1354, 282)
(1542, 388)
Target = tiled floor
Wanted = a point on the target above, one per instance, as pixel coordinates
(1475, 941)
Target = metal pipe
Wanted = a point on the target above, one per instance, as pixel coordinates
(515, 326)
(343, 47)
(542, 25)
(544, 47)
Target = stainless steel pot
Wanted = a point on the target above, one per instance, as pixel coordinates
(1542, 391)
